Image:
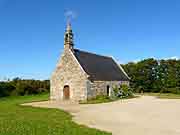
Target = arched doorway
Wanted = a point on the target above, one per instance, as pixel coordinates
(66, 92)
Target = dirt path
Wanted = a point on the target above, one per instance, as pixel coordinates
(141, 116)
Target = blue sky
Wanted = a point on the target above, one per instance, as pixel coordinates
(32, 31)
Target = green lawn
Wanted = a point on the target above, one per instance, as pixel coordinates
(97, 100)
(22, 120)
(164, 95)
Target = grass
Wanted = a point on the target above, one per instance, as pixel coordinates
(164, 95)
(23, 120)
(97, 100)
(103, 99)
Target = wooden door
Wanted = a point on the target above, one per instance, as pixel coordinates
(66, 92)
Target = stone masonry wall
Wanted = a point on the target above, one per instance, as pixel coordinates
(100, 87)
(68, 72)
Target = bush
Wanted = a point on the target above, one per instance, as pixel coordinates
(123, 92)
(5, 89)
(23, 87)
(97, 99)
(127, 91)
(175, 90)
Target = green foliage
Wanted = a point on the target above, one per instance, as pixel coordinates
(124, 91)
(23, 87)
(21, 120)
(127, 91)
(152, 75)
(115, 92)
(175, 90)
(98, 99)
(164, 95)
(6, 89)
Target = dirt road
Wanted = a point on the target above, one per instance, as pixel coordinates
(141, 116)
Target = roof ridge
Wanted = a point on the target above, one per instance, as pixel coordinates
(94, 53)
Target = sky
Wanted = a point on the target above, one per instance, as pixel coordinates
(32, 32)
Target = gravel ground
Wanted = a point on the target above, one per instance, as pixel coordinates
(141, 116)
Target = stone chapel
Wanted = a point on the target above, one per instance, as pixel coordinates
(81, 75)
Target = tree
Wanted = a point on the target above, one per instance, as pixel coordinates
(154, 75)
(23, 87)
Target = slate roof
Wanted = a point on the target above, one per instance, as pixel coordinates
(100, 68)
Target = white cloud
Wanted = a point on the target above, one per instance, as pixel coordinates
(136, 61)
(172, 58)
(3, 79)
(69, 14)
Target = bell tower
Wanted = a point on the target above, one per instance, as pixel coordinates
(68, 38)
